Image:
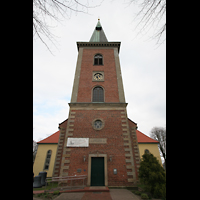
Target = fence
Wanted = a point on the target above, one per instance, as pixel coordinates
(66, 182)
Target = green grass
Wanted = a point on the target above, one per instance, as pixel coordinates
(49, 186)
(47, 195)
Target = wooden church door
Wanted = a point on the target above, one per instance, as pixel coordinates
(97, 171)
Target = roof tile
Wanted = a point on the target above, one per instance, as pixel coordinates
(51, 139)
(142, 138)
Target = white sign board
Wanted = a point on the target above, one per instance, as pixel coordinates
(77, 142)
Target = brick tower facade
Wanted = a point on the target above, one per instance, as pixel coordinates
(97, 139)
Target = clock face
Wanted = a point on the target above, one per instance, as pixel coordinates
(98, 76)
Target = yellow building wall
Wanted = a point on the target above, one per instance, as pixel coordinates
(43, 148)
(153, 149)
(41, 157)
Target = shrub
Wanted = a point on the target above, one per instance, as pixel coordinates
(144, 196)
(136, 192)
(40, 194)
(56, 192)
(152, 175)
(159, 191)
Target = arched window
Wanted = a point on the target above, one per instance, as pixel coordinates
(98, 59)
(47, 161)
(98, 94)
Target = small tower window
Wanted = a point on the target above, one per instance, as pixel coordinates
(47, 161)
(98, 59)
(98, 94)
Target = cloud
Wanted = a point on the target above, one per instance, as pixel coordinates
(47, 116)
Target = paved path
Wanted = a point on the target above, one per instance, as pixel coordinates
(114, 194)
(70, 196)
(96, 196)
(119, 194)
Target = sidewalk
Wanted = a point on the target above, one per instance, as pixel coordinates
(112, 194)
(119, 194)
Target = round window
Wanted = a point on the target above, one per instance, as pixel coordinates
(98, 124)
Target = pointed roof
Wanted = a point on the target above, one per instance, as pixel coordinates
(51, 139)
(142, 138)
(98, 34)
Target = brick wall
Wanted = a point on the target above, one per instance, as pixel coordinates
(118, 130)
(114, 132)
(110, 79)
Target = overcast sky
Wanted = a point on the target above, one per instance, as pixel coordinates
(143, 66)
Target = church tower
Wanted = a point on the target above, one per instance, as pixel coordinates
(97, 139)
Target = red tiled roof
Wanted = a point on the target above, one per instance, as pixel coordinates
(142, 138)
(51, 139)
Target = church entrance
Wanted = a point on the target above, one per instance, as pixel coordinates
(97, 171)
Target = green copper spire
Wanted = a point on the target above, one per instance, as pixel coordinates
(98, 34)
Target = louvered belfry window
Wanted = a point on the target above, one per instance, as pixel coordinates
(98, 94)
(98, 59)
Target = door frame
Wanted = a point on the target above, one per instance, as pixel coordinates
(105, 167)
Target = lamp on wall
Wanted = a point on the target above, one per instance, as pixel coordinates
(110, 158)
(84, 158)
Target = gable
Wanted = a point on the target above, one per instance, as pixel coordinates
(51, 139)
(141, 137)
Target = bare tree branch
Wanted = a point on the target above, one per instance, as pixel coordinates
(35, 146)
(152, 14)
(54, 10)
(159, 133)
